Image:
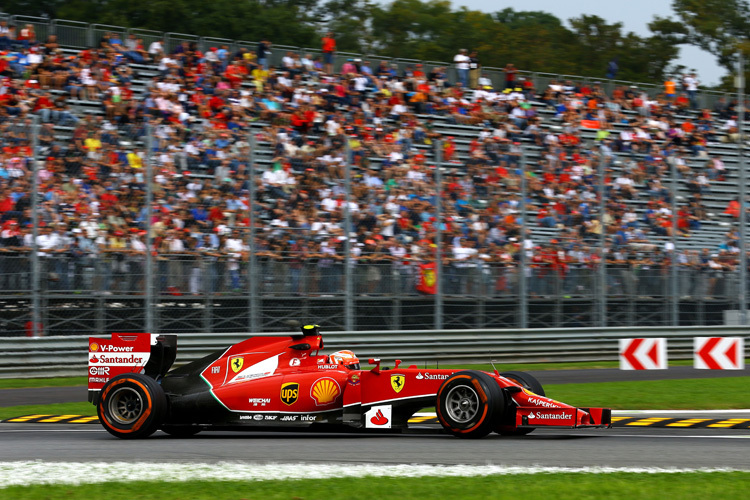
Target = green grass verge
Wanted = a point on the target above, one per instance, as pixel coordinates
(690, 394)
(530, 367)
(677, 486)
(82, 408)
(24, 383)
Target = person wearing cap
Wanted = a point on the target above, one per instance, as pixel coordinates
(474, 69)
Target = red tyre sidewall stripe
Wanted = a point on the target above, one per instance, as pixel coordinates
(137, 425)
(482, 395)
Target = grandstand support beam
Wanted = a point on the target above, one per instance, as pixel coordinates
(743, 189)
(348, 290)
(36, 307)
(602, 274)
(149, 282)
(522, 288)
(438, 235)
(252, 283)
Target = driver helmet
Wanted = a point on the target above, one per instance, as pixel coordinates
(346, 358)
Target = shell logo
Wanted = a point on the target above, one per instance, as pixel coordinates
(94, 346)
(325, 391)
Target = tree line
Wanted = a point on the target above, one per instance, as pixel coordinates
(435, 30)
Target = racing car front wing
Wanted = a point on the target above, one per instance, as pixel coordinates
(530, 416)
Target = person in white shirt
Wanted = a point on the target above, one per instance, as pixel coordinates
(234, 248)
(461, 60)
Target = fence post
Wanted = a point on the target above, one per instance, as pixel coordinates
(522, 288)
(35, 271)
(149, 297)
(438, 236)
(251, 271)
(348, 292)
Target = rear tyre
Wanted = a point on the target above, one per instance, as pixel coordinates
(132, 406)
(530, 383)
(469, 403)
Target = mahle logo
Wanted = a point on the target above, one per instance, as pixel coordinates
(289, 393)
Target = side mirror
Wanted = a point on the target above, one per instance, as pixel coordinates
(396, 363)
(376, 362)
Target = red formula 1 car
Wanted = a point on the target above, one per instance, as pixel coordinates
(277, 382)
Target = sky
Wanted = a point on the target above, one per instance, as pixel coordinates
(633, 14)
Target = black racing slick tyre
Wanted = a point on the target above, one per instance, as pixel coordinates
(469, 403)
(132, 406)
(530, 383)
(525, 380)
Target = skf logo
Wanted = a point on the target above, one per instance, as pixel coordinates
(237, 363)
(397, 382)
(289, 393)
(94, 347)
(325, 391)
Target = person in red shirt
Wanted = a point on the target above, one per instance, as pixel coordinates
(329, 49)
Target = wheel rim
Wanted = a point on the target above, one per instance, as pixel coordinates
(125, 405)
(462, 404)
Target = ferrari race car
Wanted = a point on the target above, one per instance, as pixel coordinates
(285, 382)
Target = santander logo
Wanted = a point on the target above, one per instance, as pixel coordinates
(379, 418)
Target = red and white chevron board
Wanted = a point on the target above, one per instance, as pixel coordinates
(719, 353)
(643, 354)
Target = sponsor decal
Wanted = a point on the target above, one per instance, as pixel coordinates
(328, 367)
(289, 393)
(354, 379)
(115, 348)
(308, 418)
(269, 417)
(294, 362)
(545, 404)
(215, 369)
(378, 417)
(237, 363)
(251, 376)
(325, 391)
(258, 417)
(289, 418)
(428, 376)
(397, 383)
(259, 401)
(133, 359)
(97, 380)
(94, 347)
(550, 416)
(99, 370)
(246, 417)
(321, 360)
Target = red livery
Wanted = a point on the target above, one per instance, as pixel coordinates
(286, 381)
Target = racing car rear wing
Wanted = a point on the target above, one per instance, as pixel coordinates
(146, 353)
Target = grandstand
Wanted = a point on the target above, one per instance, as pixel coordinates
(560, 291)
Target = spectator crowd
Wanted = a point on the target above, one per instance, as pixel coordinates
(227, 133)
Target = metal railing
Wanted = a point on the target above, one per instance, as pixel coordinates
(67, 356)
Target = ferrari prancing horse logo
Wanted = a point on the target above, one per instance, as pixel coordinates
(237, 363)
(397, 382)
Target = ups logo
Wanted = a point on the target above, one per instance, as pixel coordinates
(289, 393)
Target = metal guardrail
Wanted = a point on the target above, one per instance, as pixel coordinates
(67, 356)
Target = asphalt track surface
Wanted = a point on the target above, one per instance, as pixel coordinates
(617, 447)
(46, 395)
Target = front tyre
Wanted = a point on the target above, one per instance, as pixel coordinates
(468, 404)
(132, 406)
